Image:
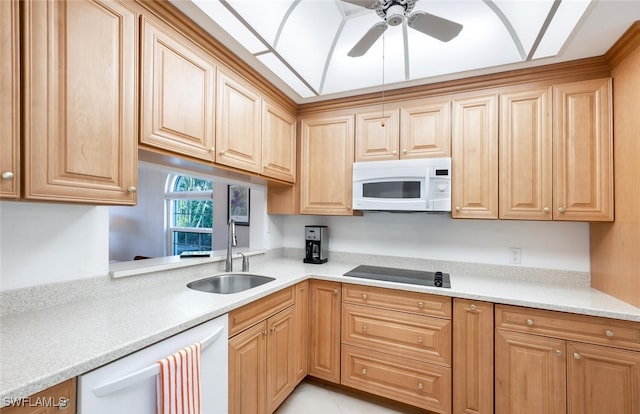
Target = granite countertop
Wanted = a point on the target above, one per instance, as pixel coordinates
(41, 348)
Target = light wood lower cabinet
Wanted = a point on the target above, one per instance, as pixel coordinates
(263, 357)
(472, 357)
(402, 355)
(58, 399)
(551, 362)
(324, 330)
(80, 110)
(302, 336)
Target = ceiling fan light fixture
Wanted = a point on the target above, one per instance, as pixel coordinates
(395, 15)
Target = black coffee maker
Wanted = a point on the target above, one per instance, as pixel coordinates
(316, 244)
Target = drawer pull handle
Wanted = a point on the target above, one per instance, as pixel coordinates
(364, 296)
(364, 328)
(419, 339)
(609, 333)
(420, 386)
(530, 322)
(420, 305)
(473, 307)
(576, 355)
(364, 371)
(559, 353)
(63, 404)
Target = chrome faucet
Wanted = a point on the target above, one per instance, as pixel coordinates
(231, 242)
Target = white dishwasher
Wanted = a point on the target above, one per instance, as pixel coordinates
(128, 385)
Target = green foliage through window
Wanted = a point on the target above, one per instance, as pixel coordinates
(191, 220)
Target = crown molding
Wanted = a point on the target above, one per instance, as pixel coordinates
(627, 43)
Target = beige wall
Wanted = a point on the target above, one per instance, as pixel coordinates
(615, 247)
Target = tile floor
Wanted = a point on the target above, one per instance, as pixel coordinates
(311, 397)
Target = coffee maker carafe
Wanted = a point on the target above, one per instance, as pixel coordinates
(316, 244)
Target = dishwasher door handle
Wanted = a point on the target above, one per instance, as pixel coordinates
(150, 371)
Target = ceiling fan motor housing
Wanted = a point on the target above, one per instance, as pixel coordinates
(394, 11)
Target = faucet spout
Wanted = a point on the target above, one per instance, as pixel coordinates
(231, 242)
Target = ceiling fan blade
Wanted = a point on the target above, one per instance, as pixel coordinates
(367, 4)
(368, 40)
(434, 26)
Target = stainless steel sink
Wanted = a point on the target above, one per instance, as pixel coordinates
(229, 283)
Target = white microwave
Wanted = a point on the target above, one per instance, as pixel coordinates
(402, 185)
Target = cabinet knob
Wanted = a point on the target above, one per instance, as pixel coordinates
(212, 149)
(335, 291)
(364, 328)
(63, 403)
(394, 152)
(7, 175)
(561, 209)
(364, 296)
(364, 371)
(609, 333)
(530, 322)
(559, 353)
(546, 209)
(404, 151)
(420, 386)
(222, 152)
(348, 207)
(420, 305)
(473, 307)
(273, 329)
(264, 332)
(576, 355)
(419, 339)
(457, 208)
(132, 189)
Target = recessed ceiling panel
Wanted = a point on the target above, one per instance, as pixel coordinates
(264, 16)
(526, 18)
(284, 73)
(564, 20)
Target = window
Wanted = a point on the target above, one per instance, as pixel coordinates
(190, 214)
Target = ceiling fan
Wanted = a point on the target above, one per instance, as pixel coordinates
(393, 12)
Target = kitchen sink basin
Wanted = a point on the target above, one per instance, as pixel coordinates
(229, 283)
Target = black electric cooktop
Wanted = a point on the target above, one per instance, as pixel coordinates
(389, 274)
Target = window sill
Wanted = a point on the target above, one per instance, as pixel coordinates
(156, 264)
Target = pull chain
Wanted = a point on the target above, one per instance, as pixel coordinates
(383, 44)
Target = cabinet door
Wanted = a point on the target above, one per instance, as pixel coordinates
(9, 100)
(278, 143)
(475, 158)
(177, 99)
(247, 370)
(526, 186)
(280, 357)
(302, 331)
(583, 151)
(425, 129)
(80, 101)
(603, 380)
(377, 135)
(238, 132)
(60, 398)
(324, 330)
(472, 357)
(530, 374)
(327, 166)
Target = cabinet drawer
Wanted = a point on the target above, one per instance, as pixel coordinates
(406, 334)
(412, 382)
(584, 328)
(242, 318)
(401, 300)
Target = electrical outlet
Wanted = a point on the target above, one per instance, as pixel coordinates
(514, 255)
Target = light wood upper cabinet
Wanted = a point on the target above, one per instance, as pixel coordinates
(425, 128)
(9, 99)
(278, 142)
(526, 186)
(324, 330)
(238, 124)
(80, 110)
(177, 99)
(418, 129)
(377, 135)
(472, 356)
(583, 151)
(326, 165)
(475, 157)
